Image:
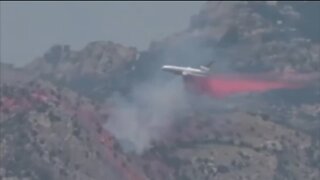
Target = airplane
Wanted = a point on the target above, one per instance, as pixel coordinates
(188, 71)
(191, 76)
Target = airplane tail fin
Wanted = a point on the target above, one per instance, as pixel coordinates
(207, 66)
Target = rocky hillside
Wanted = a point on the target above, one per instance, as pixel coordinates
(39, 137)
(53, 111)
(97, 66)
(53, 133)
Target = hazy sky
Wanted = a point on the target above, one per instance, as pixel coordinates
(28, 29)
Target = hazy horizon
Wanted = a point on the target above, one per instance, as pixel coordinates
(28, 29)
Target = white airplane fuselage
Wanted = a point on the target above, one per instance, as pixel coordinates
(184, 71)
(191, 76)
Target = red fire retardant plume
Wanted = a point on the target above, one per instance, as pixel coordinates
(221, 86)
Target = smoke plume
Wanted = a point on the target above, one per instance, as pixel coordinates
(148, 115)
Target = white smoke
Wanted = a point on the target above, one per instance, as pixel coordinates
(149, 114)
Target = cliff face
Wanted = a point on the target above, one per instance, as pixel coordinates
(53, 111)
(272, 35)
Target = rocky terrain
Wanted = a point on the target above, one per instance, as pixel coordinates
(55, 109)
